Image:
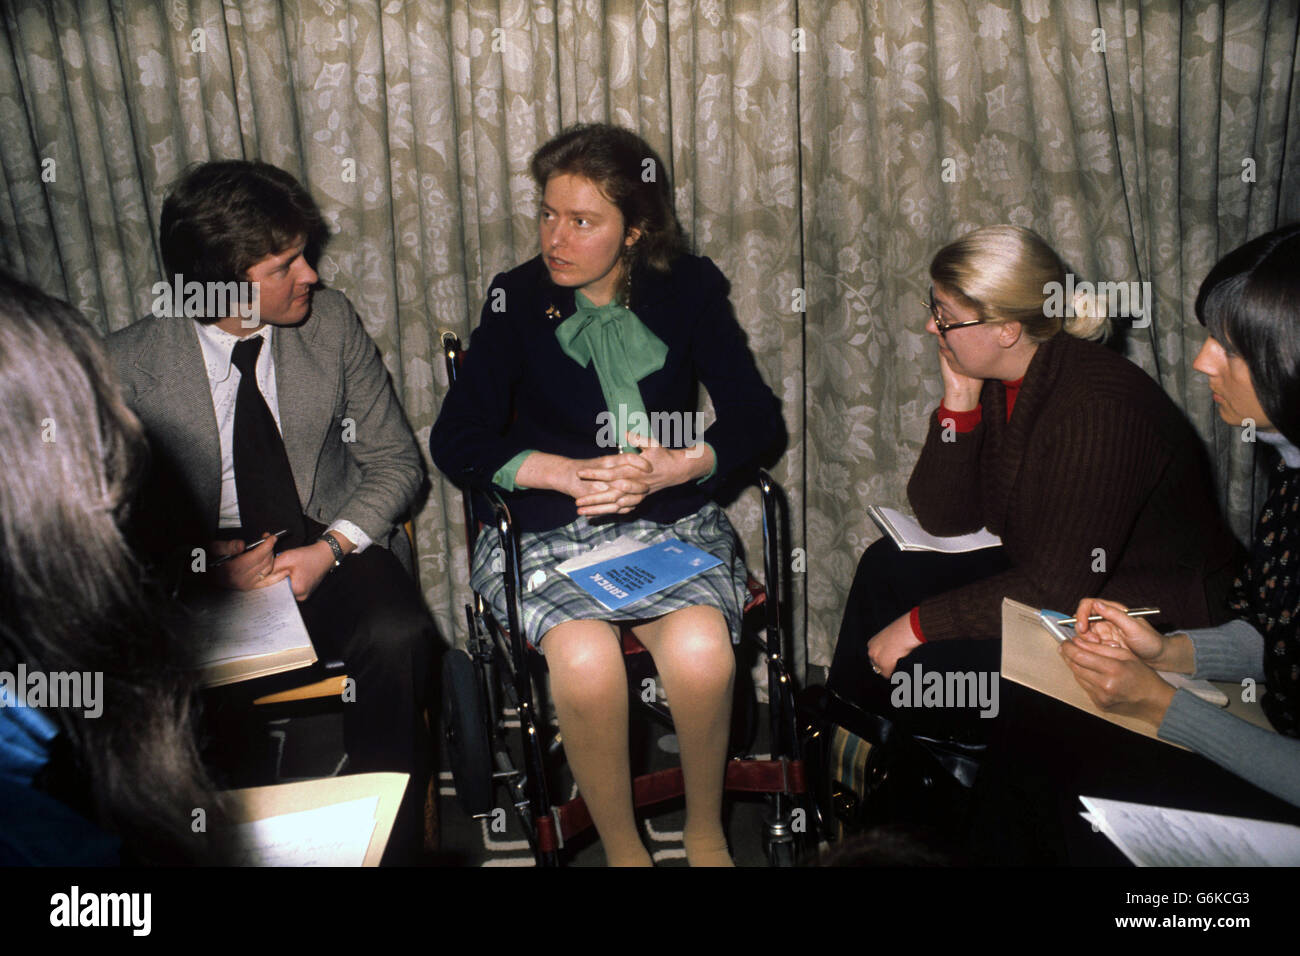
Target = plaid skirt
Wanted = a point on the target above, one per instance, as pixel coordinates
(550, 597)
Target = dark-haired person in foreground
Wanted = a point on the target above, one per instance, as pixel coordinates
(614, 321)
(283, 417)
(112, 777)
(1250, 302)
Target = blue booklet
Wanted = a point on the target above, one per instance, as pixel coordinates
(620, 581)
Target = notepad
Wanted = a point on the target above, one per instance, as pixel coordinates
(238, 635)
(326, 836)
(331, 821)
(908, 534)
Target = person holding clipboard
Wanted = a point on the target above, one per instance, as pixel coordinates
(1248, 303)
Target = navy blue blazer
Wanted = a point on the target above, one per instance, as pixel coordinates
(517, 390)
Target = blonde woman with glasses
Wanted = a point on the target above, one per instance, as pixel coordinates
(1093, 479)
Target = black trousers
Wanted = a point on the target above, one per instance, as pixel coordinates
(887, 585)
(368, 613)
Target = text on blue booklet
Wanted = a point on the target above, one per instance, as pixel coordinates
(620, 581)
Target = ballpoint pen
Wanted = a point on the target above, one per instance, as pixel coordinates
(224, 558)
(1131, 612)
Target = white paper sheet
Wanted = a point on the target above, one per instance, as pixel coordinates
(335, 835)
(234, 624)
(1160, 836)
(624, 544)
(909, 535)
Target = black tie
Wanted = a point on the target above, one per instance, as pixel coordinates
(268, 499)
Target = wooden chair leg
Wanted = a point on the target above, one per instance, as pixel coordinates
(431, 834)
(432, 837)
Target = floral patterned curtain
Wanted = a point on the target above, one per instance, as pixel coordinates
(820, 153)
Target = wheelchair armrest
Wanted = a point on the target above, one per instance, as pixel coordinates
(770, 494)
(509, 542)
(451, 353)
(768, 596)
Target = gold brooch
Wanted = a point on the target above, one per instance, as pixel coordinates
(553, 313)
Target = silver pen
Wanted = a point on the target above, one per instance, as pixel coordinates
(1131, 612)
(224, 558)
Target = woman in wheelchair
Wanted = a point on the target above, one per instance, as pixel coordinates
(1093, 479)
(1249, 304)
(577, 399)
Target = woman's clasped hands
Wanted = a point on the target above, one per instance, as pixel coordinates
(617, 484)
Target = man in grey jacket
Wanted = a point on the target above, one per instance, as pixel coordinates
(269, 410)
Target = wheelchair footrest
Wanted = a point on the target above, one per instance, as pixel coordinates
(743, 776)
(547, 841)
(766, 776)
(647, 790)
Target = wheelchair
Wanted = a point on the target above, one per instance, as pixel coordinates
(494, 676)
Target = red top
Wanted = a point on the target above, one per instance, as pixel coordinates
(1096, 456)
(963, 422)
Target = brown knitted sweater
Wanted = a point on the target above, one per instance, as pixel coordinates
(1097, 486)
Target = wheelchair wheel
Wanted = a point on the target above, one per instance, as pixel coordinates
(464, 724)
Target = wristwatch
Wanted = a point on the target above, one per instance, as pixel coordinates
(328, 538)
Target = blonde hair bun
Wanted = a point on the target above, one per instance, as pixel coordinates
(1005, 272)
(1090, 319)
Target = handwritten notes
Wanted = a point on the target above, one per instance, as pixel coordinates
(334, 835)
(1159, 836)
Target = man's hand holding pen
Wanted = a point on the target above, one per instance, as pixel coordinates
(243, 568)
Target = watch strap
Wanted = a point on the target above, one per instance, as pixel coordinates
(329, 539)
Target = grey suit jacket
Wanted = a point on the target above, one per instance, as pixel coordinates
(327, 372)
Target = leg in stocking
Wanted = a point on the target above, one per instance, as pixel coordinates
(692, 650)
(589, 688)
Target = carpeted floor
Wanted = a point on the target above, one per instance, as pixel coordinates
(499, 840)
(309, 745)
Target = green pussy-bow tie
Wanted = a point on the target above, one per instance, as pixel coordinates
(623, 350)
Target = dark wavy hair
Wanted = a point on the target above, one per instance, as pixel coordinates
(1250, 302)
(220, 218)
(72, 594)
(630, 174)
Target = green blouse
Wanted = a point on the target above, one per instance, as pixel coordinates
(623, 350)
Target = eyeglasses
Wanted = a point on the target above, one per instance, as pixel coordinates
(945, 327)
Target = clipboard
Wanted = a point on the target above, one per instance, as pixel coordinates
(1031, 657)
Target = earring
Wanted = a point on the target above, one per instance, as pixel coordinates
(625, 294)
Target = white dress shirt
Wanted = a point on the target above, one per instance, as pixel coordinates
(218, 346)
